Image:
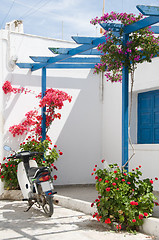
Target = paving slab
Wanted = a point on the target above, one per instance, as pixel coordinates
(15, 224)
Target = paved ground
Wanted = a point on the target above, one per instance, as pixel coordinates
(65, 224)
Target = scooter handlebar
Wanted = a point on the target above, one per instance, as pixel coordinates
(24, 154)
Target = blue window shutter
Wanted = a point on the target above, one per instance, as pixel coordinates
(148, 117)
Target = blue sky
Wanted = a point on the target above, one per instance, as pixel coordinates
(63, 18)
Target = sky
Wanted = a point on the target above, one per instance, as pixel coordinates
(61, 19)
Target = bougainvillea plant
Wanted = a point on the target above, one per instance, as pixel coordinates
(7, 88)
(141, 46)
(123, 198)
(53, 100)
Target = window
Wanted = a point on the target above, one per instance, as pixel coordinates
(148, 117)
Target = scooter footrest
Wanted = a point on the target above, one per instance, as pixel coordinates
(24, 199)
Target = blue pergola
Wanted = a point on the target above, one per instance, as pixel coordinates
(65, 59)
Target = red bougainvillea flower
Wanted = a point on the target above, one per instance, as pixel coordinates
(107, 181)
(116, 178)
(156, 178)
(107, 221)
(123, 180)
(113, 183)
(128, 182)
(134, 203)
(115, 171)
(141, 216)
(92, 204)
(139, 166)
(133, 220)
(151, 181)
(117, 189)
(61, 153)
(108, 189)
(2, 176)
(55, 146)
(118, 227)
(100, 179)
(145, 214)
(94, 169)
(55, 177)
(103, 161)
(96, 177)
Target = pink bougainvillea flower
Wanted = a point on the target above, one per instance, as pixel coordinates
(133, 220)
(151, 181)
(113, 183)
(100, 179)
(108, 189)
(106, 181)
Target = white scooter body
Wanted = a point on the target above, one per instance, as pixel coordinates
(23, 179)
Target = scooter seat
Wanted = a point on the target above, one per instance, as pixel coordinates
(34, 171)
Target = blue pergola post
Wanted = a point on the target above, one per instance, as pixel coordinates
(43, 84)
(125, 97)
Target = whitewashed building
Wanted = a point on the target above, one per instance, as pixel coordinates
(90, 127)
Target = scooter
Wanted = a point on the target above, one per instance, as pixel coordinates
(35, 182)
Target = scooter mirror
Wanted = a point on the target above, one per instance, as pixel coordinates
(7, 148)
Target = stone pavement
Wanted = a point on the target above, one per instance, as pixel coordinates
(15, 224)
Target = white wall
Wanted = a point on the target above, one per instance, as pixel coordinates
(146, 155)
(78, 133)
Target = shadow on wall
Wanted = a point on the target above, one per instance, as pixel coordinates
(77, 134)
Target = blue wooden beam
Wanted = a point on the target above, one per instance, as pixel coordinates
(115, 27)
(66, 51)
(148, 10)
(72, 60)
(140, 24)
(125, 90)
(57, 65)
(43, 110)
(155, 29)
(73, 51)
(84, 40)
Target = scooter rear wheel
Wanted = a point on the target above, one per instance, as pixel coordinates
(46, 202)
(48, 207)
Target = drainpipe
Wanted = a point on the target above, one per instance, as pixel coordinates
(1, 105)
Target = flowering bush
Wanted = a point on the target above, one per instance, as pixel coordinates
(8, 173)
(142, 46)
(8, 169)
(52, 100)
(123, 198)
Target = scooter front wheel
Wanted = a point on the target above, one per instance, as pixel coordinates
(48, 206)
